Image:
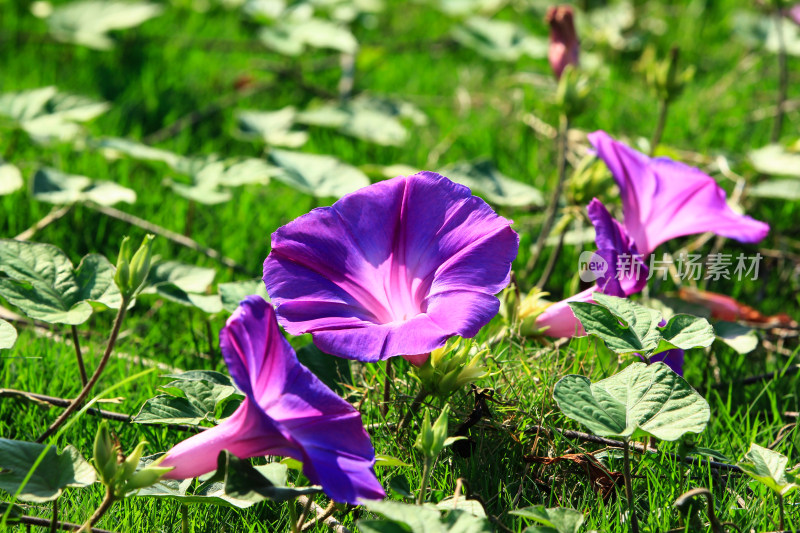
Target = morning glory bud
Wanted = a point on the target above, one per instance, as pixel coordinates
(132, 271)
(564, 44)
(431, 440)
(452, 367)
(105, 454)
(123, 275)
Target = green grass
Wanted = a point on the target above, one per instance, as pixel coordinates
(183, 61)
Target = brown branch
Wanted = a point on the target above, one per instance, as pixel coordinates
(330, 521)
(66, 526)
(63, 402)
(168, 234)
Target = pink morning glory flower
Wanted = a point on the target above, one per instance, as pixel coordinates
(626, 274)
(663, 199)
(287, 411)
(564, 44)
(395, 268)
(794, 13)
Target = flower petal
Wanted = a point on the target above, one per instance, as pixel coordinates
(247, 433)
(559, 319)
(663, 199)
(287, 411)
(365, 274)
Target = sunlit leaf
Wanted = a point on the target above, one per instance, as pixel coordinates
(243, 481)
(292, 36)
(472, 507)
(774, 159)
(611, 24)
(758, 30)
(183, 283)
(87, 22)
(56, 187)
(10, 178)
(8, 335)
(117, 145)
(317, 175)
(272, 127)
(47, 115)
(43, 284)
(769, 467)
(627, 327)
(554, 520)
(460, 8)
(741, 338)
(499, 40)
(484, 179)
(642, 400)
(234, 292)
(210, 175)
(401, 517)
(55, 472)
(194, 397)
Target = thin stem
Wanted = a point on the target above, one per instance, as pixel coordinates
(54, 521)
(328, 511)
(626, 472)
(76, 403)
(184, 519)
(783, 74)
(552, 208)
(426, 475)
(663, 108)
(413, 408)
(551, 262)
(76, 342)
(54, 214)
(293, 516)
(300, 521)
(108, 501)
(183, 240)
(782, 525)
(387, 388)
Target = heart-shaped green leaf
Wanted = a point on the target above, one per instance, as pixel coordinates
(775, 160)
(56, 187)
(245, 482)
(234, 292)
(184, 284)
(484, 179)
(292, 36)
(317, 175)
(554, 520)
(88, 22)
(114, 146)
(48, 115)
(10, 178)
(769, 467)
(43, 284)
(273, 127)
(194, 397)
(627, 327)
(55, 472)
(641, 400)
(499, 40)
(8, 335)
(402, 517)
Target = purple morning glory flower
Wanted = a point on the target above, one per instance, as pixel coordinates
(621, 278)
(663, 199)
(672, 358)
(287, 411)
(395, 268)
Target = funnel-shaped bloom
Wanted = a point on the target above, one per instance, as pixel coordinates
(794, 14)
(395, 268)
(663, 199)
(564, 44)
(287, 411)
(624, 274)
